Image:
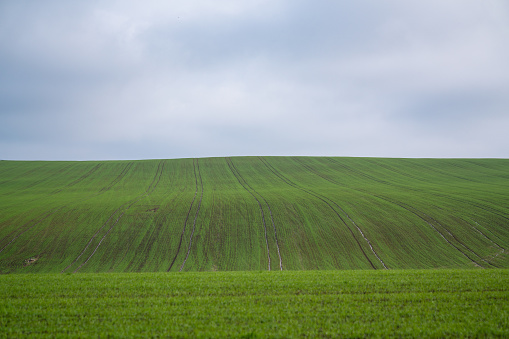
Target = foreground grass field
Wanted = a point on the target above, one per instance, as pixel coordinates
(412, 303)
(253, 213)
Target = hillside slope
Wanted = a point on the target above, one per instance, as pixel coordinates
(253, 213)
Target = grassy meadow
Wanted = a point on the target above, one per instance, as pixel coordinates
(258, 304)
(253, 213)
(356, 247)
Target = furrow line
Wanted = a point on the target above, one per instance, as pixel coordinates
(33, 184)
(24, 174)
(309, 168)
(187, 218)
(434, 169)
(398, 172)
(155, 182)
(270, 212)
(322, 198)
(51, 212)
(494, 243)
(83, 177)
(484, 235)
(433, 192)
(97, 247)
(119, 177)
(365, 238)
(195, 216)
(408, 208)
(48, 214)
(484, 208)
(56, 210)
(238, 177)
(460, 242)
(152, 186)
(454, 237)
(3, 170)
(155, 235)
(92, 239)
(357, 172)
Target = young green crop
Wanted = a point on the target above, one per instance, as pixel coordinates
(394, 303)
(253, 213)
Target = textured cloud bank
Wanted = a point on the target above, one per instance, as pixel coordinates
(130, 80)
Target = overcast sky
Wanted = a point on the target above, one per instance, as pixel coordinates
(171, 79)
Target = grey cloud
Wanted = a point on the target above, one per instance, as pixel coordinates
(124, 80)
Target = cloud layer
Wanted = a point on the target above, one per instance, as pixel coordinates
(131, 80)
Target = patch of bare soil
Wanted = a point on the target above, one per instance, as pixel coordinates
(31, 260)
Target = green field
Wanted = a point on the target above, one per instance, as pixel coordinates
(327, 304)
(252, 214)
(350, 235)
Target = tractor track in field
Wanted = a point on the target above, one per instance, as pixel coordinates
(46, 215)
(92, 239)
(430, 223)
(501, 172)
(320, 197)
(4, 170)
(357, 172)
(430, 192)
(35, 183)
(312, 170)
(367, 176)
(35, 221)
(119, 177)
(424, 167)
(460, 242)
(80, 179)
(129, 204)
(488, 209)
(431, 169)
(270, 212)
(484, 208)
(417, 213)
(195, 216)
(449, 174)
(502, 249)
(22, 175)
(390, 184)
(187, 217)
(150, 241)
(493, 242)
(398, 172)
(237, 176)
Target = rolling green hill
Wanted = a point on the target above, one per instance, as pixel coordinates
(253, 213)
